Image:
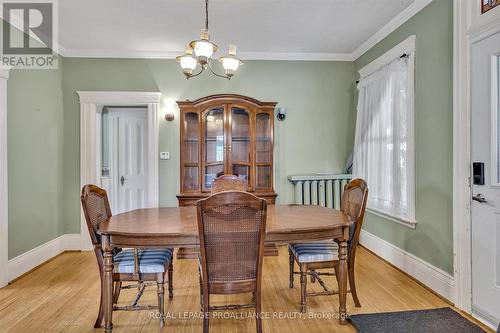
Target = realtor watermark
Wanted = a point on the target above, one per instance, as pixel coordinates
(29, 34)
(229, 315)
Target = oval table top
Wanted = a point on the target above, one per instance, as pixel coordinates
(284, 223)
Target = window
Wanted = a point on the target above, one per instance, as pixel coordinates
(384, 140)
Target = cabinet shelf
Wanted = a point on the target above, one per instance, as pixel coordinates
(240, 139)
(208, 139)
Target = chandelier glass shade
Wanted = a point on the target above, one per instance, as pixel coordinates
(200, 52)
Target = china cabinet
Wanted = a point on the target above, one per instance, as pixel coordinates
(225, 134)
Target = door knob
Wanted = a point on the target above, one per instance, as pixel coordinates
(479, 198)
(122, 180)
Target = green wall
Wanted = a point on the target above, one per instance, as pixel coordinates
(432, 240)
(34, 143)
(313, 138)
(34, 137)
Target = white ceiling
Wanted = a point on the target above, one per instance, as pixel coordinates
(262, 29)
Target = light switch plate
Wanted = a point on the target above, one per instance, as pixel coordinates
(164, 155)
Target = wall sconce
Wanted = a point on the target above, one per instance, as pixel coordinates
(169, 117)
(281, 114)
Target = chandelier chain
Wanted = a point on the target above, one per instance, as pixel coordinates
(206, 14)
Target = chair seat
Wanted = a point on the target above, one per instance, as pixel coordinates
(150, 260)
(315, 251)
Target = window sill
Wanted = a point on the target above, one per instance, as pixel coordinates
(399, 220)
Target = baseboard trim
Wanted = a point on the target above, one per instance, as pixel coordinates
(29, 260)
(434, 278)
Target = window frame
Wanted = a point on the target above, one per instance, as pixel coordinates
(408, 46)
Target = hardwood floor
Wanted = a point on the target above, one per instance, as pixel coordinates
(62, 296)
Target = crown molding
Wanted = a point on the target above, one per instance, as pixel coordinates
(131, 54)
(392, 25)
(296, 56)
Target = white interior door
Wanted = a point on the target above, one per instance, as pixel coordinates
(485, 76)
(131, 171)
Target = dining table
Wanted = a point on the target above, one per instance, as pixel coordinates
(177, 227)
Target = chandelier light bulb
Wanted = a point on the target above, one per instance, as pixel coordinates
(187, 61)
(230, 62)
(203, 50)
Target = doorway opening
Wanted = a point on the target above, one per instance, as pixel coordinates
(92, 104)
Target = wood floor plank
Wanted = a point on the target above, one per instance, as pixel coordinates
(63, 296)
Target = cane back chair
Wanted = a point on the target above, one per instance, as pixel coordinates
(231, 228)
(228, 183)
(324, 254)
(150, 265)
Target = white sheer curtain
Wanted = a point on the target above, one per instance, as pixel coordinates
(383, 148)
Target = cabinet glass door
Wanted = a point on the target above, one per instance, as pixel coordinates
(214, 152)
(240, 146)
(190, 152)
(263, 151)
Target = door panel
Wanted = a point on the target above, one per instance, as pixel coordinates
(214, 154)
(240, 148)
(263, 151)
(132, 163)
(485, 220)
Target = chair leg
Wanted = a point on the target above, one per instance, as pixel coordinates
(206, 310)
(100, 316)
(313, 278)
(336, 268)
(303, 287)
(352, 283)
(258, 312)
(291, 261)
(201, 293)
(116, 293)
(161, 297)
(171, 280)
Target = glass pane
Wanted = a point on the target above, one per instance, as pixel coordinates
(242, 171)
(212, 172)
(263, 138)
(190, 178)
(190, 138)
(214, 135)
(240, 133)
(263, 177)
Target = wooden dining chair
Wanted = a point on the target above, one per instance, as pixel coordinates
(228, 183)
(150, 265)
(231, 229)
(313, 256)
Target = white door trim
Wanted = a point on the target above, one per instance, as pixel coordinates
(461, 156)
(464, 37)
(4, 193)
(90, 102)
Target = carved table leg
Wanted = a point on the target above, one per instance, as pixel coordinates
(342, 279)
(108, 284)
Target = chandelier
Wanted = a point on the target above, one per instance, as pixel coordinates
(200, 52)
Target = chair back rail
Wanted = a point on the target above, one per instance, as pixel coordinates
(353, 205)
(96, 209)
(228, 183)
